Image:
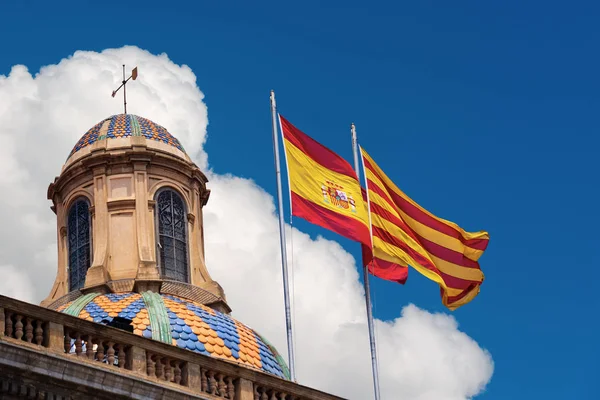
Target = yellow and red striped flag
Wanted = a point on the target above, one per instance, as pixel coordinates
(384, 269)
(404, 233)
(323, 186)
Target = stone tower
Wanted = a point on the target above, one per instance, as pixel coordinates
(133, 312)
(128, 203)
(107, 202)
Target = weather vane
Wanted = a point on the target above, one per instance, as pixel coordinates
(133, 76)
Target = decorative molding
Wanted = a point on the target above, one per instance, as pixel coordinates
(121, 204)
(99, 170)
(191, 292)
(64, 299)
(220, 306)
(14, 388)
(75, 195)
(204, 197)
(181, 189)
(140, 165)
(191, 218)
(121, 285)
(144, 285)
(102, 288)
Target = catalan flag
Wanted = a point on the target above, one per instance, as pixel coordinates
(404, 233)
(324, 188)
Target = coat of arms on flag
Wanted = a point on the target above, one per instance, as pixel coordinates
(334, 194)
(338, 205)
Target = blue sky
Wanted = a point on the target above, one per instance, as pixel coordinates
(486, 114)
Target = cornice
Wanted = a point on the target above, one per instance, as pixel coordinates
(102, 161)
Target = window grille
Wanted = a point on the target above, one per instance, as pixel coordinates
(172, 236)
(79, 243)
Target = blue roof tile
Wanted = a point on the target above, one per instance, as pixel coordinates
(191, 330)
(120, 126)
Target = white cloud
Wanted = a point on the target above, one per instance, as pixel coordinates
(15, 283)
(42, 117)
(422, 355)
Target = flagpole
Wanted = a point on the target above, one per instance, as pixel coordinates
(286, 294)
(366, 283)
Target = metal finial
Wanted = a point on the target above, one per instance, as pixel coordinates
(133, 76)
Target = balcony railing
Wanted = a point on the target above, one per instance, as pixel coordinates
(143, 359)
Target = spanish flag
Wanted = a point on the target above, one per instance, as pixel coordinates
(324, 188)
(404, 233)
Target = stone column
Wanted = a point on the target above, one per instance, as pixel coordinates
(197, 269)
(147, 268)
(244, 390)
(56, 337)
(97, 274)
(61, 286)
(63, 258)
(137, 359)
(200, 276)
(192, 377)
(61, 283)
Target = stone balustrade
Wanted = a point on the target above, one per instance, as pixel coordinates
(93, 348)
(144, 360)
(264, 393)
(22, 327)
(166, 368)
(217, 384)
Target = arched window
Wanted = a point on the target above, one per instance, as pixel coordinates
(172, 236)
(79, 243)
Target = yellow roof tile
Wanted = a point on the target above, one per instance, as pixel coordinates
(204, 331)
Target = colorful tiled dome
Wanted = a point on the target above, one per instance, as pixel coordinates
(124, 125)
(184, 324)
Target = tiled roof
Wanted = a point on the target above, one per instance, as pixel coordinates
(124, 125)
(192, 326)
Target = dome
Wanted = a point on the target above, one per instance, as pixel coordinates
(190, 326)
(126, 125)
